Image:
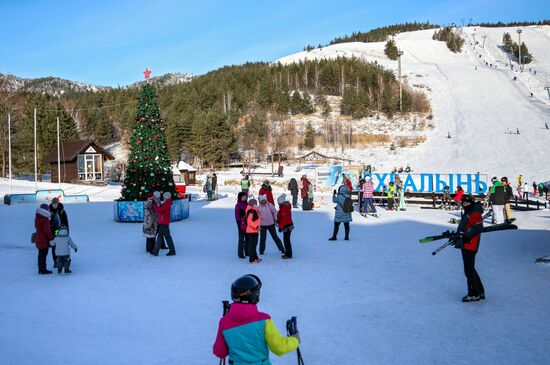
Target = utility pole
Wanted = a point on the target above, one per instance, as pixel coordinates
(400, 53)
(9, 149)
(58, 156)
(35, 153)
(519, 49)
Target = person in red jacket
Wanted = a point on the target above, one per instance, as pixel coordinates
(469, 231)
(347, 181)
(458, 195)
(43, 236)
(284, 220)
(163, 211)
(266, 190)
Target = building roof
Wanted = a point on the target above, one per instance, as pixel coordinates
(185, 166)
(70, 150)
(313, 155)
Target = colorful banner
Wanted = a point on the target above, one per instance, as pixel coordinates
(133, 211)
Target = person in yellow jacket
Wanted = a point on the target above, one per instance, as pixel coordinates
(247, 335)
(392, 191)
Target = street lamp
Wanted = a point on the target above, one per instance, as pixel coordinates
(519, 48)
(400, 53)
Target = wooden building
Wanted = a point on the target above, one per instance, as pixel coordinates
(187, 172)
(81, 161)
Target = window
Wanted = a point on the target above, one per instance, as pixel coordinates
(90, 167)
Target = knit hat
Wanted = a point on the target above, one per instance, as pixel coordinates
(253, 202)
(166, 195)
(262, 197)
(44, 206)
(281, 199)
(156, 194)
(55, 201)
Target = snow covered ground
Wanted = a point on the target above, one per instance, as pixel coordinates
(381, 298)
(475, 103)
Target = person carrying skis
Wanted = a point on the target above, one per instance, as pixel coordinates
(467, 240)
(368, 196)
(247, 335)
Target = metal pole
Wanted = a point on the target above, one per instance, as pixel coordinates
(400, 53)
(9, 149)
(35, 152)
(58, 156)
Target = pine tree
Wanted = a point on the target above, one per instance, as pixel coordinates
(309, 141)
(296, 103)
(148, 162)
(391, 50)
(507, 42)
(307, 104)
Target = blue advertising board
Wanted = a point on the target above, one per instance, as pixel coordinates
(44, 196)
(133, 211)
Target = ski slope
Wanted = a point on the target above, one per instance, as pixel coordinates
(476, 106)
(380, 298)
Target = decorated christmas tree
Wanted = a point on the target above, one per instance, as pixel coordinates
(149, 161)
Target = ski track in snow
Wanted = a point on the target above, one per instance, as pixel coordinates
(476, 106)
(381, 298)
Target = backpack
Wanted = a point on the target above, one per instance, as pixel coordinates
(348, 206)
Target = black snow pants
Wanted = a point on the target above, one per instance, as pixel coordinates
(475, 287)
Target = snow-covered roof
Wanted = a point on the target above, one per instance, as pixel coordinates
(185, 166)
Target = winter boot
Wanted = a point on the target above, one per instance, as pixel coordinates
(59, 269)
(171, 254)
(470, 298)
(67, 270)
(482, 296)
(332, 239)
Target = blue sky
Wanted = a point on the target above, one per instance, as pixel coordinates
(111, 42)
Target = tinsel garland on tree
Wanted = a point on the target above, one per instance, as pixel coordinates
(149, 161)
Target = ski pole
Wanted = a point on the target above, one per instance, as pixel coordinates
(291, 329)
(226, 307)
(449, 243)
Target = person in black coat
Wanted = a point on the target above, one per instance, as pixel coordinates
(293, 188)
(58, 218)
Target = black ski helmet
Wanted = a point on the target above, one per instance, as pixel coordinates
(246, 289)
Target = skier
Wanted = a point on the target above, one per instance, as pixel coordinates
(468, 232)
(163, 212)
(252, 230)
(284, 220)
(546, 125)
(266, 190)
(368, 196)
(43, 236)
(245, 184)
(245, 334)
(520, 179)
(449, 135)
(517, 131)
(293, 188)
(58, 218)
(391, 195)
(342, 199)
(62, 243)
(240, 219)
(268, 218)
(497, 197)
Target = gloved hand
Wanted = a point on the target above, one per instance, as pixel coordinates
(297, 336)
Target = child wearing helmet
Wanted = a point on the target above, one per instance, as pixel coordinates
(247, 335)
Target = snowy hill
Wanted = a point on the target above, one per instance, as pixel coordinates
(476, 103)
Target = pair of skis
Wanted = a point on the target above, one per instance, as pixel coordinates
(453, 237)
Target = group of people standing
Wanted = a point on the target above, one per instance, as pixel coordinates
(254, 219)
(500, 195)
(52, 230)
(156, 224)
(210, 186)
